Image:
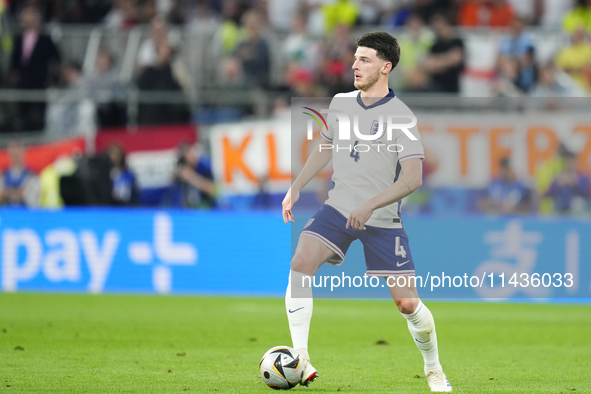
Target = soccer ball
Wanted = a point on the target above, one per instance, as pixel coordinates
(281, 368)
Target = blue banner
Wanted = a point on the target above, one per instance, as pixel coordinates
(174, 251)
(479, 257)
(113, 250)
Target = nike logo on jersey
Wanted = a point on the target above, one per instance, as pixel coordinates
(420, 341)
(295, 310)
(401, 264)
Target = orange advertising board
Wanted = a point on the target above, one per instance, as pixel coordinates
(465, 149)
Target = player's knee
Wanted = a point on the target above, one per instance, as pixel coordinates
(302, 263)
(406, 305)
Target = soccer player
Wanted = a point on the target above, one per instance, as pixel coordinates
(364, 204)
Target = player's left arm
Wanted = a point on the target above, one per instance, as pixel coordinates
(409, 181)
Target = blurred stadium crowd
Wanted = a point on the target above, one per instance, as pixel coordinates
(276, 49)
(558, 187)
(260, 53)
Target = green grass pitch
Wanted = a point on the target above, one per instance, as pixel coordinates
(151, 344)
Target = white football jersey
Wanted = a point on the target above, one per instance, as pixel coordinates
(363, 168)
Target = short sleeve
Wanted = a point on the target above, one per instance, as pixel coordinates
(332, 123)
(410, 149)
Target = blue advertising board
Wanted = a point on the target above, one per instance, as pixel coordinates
(114, 250)
(246, 253)
(481, 257)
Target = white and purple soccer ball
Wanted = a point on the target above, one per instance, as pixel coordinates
(281, 368)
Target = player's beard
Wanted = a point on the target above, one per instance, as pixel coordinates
(371, 80)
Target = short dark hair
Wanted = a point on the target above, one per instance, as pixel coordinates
(385, 44)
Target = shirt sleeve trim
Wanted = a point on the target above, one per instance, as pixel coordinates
(324, 135)
(416, 156)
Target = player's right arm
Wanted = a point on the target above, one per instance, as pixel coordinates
(315, 163)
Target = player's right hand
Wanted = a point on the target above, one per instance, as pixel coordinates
(290, 199)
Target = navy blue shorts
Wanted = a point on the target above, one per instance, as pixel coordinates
(386, 250)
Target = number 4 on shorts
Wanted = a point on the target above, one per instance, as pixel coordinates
(399, 249)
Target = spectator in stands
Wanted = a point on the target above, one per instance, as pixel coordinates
(124, 15)
(103, 83)
(505, 84)
(71, 75)
(160, 78)
(229, 33)
(19, 187)
(548, 85)
(123, 187)
(516, 63)
(33, 56)
(445, 62)
(84, 11)
(530, 11)
(204, 19)
(576, 59)
(485, 13)
(316, 21)
(570, 190)
(554, 11)
(371, 11)
(252, 54)
(335, 68)
(527, 76)
(579, 17)
(506, 195)
(546, 172)
(146, 11)
(339, 44)
(262, 9)
(68, 113)
(302, 83)
(50, 178)
(517, 43)
(172, 10)
(427, 9)
(398, 14)
(159, 35)
(415, 42)
(281, 14)
(48, 9)
(194, 182)
(299, 48)
(420, 200)
(339, 12)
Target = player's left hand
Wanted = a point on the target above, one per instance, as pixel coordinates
(291, 197)
(358, 218)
